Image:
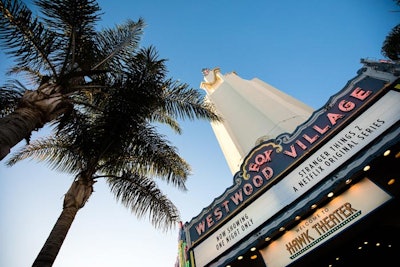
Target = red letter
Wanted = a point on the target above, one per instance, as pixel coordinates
(248, 189)
(267, 155)
(321, 131)
(237, 197)
(200, 228)
(225, 205)
(360, 94)
(345, 105)
(258, 181)
(292, 153)
(218, 214)
(309, 139)
(268, 172)
(253, 167)
(260, 159)
(333, 118)
(210, 221)
(300, 144)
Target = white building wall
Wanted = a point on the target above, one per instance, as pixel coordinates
(252, 110)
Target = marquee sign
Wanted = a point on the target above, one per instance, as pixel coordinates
(326, 159)
(325, 223)
(269, 161)
(277, 172)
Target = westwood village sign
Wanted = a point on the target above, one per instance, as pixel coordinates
(277, 172)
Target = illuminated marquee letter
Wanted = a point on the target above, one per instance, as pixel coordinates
(260, 159)
(258, 181)
(333, 117)
(360, 94)
(346, 105)
(268, 172)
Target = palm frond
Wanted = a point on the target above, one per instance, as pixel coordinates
(74, 22)
(66, 16)
(55, 152)
(119, 43)
(161, 117)
(186, 103)
(32, 76)
(391, 45)
(142, 196)
(25, 37)
(148, 153)
(10, 95)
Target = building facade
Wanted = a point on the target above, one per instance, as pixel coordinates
(252, 110)
(325, 194)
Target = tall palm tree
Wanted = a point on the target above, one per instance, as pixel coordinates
(56, 52)
(391, 44)
(104, 95)
(112, 135)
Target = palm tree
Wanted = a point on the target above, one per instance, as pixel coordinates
(112, 135)
(105, 98)
(56, 53)
(391, 44)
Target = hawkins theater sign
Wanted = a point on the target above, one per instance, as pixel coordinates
(277, 172)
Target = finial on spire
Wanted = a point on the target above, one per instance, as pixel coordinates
(205, 71)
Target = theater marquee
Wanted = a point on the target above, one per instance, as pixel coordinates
(280, 171)
(350, 140)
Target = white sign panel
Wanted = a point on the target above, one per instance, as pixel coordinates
(368, 126)
(325, 223)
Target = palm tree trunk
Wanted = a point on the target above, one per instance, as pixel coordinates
(74, 200)
(16, 127)
(35, 109)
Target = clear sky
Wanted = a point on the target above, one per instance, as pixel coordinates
(308, 49)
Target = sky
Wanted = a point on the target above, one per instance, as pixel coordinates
(308, 49)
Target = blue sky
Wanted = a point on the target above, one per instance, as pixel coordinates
(308, 49)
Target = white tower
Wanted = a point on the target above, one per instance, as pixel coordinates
(252, 111)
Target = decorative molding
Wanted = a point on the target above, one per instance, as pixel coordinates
(210, 85)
